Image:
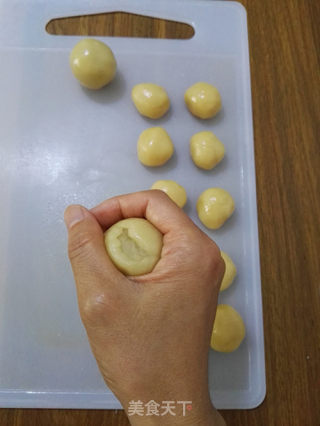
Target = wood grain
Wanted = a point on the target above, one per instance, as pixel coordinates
(284, 47)
(120, 24)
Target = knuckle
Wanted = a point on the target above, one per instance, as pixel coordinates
(159, 195)
(212, 257)
(79, 243)
(93, 309)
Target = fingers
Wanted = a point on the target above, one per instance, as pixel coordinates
(92, 268)
(153, 205)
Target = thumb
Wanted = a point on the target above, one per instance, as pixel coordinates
(92, 268)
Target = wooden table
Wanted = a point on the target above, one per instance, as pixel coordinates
(284, 36)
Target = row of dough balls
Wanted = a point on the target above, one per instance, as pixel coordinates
(214, 205)
(152, 101)
(155, 148)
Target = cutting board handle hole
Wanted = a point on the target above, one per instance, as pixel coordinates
(120, 24)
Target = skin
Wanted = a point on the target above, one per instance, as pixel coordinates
(150, 334)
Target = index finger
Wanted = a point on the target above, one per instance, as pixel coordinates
(154, 205)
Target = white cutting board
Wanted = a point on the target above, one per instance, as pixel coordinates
(61, 144)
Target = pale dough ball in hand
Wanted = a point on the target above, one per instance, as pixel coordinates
(176, 192)
(203, 100)
(134, 246)
(214, 207)
(92, 63)
(151, 100)
(154, 147)
(230, 271)
(206, 150)
(228, 329)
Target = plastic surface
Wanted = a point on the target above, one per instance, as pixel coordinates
(62, 144)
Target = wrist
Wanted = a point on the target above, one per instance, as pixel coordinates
(196, 411)
(157, 401)
(210, 418)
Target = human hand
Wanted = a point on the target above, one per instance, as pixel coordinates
(150, 334)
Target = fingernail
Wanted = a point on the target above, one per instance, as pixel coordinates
(74, 214)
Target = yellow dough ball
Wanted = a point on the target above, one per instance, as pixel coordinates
(230, 271)
(206, 150)
(92, 63)
(228, 329)
(214, 207)
(151, 100)
(176, 192)
(134, 246)
(203, 100)
(154, 147)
